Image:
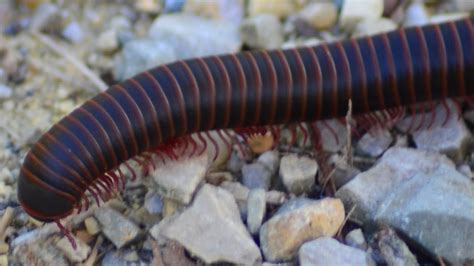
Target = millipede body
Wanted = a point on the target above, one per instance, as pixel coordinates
(82, 152)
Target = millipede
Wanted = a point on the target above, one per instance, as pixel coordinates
(81, 156)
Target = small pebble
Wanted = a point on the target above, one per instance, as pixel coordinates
(5, 91)
(153, 203)
(416, 15)
(4, 247)
(281, 9)
(375, 142)
(354, 11)
(256, 206)
(74, 255)
(320, 15)
(372, 27)
(230, 10)
(73, 32)
(46, 17)
(148, 6)
(271, 160)
(356, 239)
(92, 226)
(464, 5)
(4, 260)
(298, 173)
(262, 32)
(256, 175)
(107, 41)
(116, 227)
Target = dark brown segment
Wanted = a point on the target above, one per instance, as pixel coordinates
(315, 88)
(223, 93)
(238, 94)
(254, 78)
(299, 84)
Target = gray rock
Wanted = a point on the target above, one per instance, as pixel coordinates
(153, 203)
(436, 210)
(240, 194)
(296, 222)
(178, 179)
(333, 135)
(450, 138)
(393, 250)
(116, 227)
(396, 166)
(271, 160)
(114, 258)
(38, 253)
(262, 31)
(375, 142)
(356, 239)
(213, 215)
(194, 36)
(74, 255)
(73, 32)
(328, 251)
(171, 6)
(343, 173)
(256, 207)
(298, 173)
(256, 175)
(142, 54)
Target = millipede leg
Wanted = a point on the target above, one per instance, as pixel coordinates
(67, 234)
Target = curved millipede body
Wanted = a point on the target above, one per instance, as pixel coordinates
(390, 70)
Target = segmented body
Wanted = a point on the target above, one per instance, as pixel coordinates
(400, 68)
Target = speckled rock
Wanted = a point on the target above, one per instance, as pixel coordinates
(256, 207)
(281, 9)
(230, 10)
(328, 251)
(354, 11)
(262, 32)
(214, 215)
(116, 227)
(396, 166)
(450, 138)
(256, 175)
(436, 210)
(356, 239)
(374, 143)
(372, 27)
(296, 222)
(320, 15)
(74, 255)
(333, 135)
(393, 250)
(178, 179)
(298, 174)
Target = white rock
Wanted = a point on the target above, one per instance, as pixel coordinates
(320, 15)
(5, 91)
(354, 11)
(369, 27)
(441, 18)
(108, 41)
(298, 173)
(416, 15)
(230, 10)
(262, 32)
(280, 8)
(213, 218)
(74, 255)
(374, 143)
(328, 251)
(256, 175)
(116, 227)
(178, 179)
(256, 206)
(356, 239)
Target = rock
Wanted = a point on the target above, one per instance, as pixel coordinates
(372, 27)
(38, 253)
(262, 32)
(465, 169)
(436, 210)
(442, 18)
(271, 160)
(396, 166)
(153, 203)
(355, 238)
(393, 250)
(256, 207)
(216, 178)
(416, 15)
(240, 194)
(451, 138)
(213, 215)
(281, 10)
(328, 251)
(5, 91)
(73, 32)
(4, 248)
(114, 258)
(195, 36)
(256, 175)
(320, 15)
(46, 17)
(230, 10)
(354, 11)
(172, 6)
(464, 5)
(117, 228)
(275, 197)
(107, 41)
(235, 163)
(343, 173)
(375, 142)
(148, 6)
(139, 55)
(298, 174)
(333, 135)
(92, 226)
(296, 222)
(178, 179)
(74, 255)
(4, 259)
